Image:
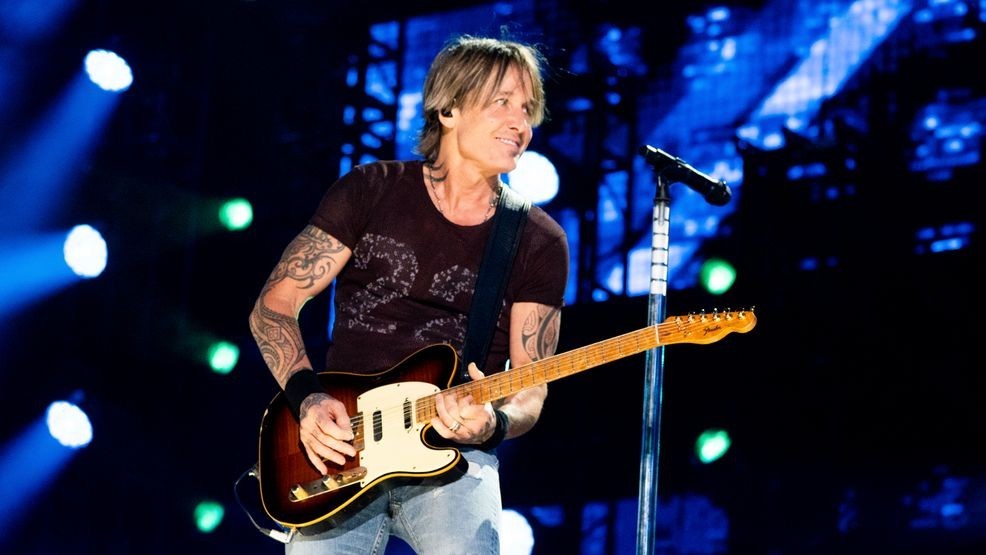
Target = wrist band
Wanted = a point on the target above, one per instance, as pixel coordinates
(300, 385)
(499, 434)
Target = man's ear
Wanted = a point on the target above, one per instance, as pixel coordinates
(447, 117)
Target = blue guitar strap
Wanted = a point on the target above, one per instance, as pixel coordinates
(491, 283)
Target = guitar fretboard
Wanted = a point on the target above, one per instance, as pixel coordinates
(690, 329)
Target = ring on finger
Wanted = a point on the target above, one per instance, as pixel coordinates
(455, 427)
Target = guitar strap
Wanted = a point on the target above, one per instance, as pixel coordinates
(491, 283)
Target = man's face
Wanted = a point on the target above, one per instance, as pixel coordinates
(493, 133)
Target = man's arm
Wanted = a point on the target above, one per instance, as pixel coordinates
(534, 330)
(533, 336)
(309, 264)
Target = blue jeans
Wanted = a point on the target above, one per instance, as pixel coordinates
(461, 517)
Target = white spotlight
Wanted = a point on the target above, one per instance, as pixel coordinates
(516, 534)
(109, 71)
(534, 177)
(85, 251)
(68, 424)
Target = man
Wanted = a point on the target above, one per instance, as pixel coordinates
(404, 240)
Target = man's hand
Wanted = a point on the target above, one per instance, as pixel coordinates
(326, 431)
(462, 420)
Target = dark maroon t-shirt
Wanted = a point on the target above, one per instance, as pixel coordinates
(410, 280)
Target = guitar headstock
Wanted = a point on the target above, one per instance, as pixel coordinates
(707, 327)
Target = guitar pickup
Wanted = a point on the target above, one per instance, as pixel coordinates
(326, 484)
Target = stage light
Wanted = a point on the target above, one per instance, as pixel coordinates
(108, 71)
(85, 251)
(717, 275)
(223, 356)
(711, 445)
(32, 460)
(68, 424)
(236, 214)
(516, 534)
(208, 515)
(534, 177)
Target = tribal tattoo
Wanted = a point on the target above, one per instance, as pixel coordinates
(279, 339)
(306, 259)
(540, 332)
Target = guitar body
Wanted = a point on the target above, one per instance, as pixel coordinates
(389, 439)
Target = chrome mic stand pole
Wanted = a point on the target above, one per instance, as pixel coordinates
(654, 374)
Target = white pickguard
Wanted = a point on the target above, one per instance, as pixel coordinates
(400, 449)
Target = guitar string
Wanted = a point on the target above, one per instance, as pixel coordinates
(603, 358)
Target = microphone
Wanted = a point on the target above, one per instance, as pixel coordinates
(675, 169)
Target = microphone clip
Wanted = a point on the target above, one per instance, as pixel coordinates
(675, 169)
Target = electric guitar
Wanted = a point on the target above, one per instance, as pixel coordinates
(391, 411)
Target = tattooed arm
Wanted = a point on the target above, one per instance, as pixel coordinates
(309, 264)
(533, 335)
(534, 330)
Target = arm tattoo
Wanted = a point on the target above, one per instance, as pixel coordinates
(540, 332)
(312, 400)
(279, 339)
(306, 259)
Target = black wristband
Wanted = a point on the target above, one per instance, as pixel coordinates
(300, 385)
(502, 423)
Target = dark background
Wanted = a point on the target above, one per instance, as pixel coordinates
(855, 405)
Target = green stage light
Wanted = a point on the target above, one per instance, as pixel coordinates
(711, 445)
(208, 516)
(223, 356)
(236, 214)
(717, 275)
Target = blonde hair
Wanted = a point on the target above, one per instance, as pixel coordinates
(460, 75)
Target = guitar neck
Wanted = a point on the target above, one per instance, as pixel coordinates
(505, 384)
(690, 329)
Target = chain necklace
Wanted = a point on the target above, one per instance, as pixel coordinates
(494, 195)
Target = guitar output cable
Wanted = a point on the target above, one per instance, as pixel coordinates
(283, 535)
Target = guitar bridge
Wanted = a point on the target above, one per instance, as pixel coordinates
(326, 484)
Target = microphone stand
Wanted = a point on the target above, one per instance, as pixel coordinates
(654, 374)
(668, 169)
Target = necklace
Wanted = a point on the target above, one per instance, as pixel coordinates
(432, 180)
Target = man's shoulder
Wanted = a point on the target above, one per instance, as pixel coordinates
(392, 169)
(543, 224)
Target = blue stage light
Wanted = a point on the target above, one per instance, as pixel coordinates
(85, 251)
(68, 424)
(109, 71)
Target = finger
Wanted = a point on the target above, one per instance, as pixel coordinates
(464, 403)
(316, 460)
(330, 448)
(442, 408)
(343, 423)
(339, 446)
(315, 436)
(333, 419)
(443, 429)
(474, 372)
(335, 429)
